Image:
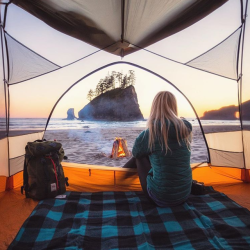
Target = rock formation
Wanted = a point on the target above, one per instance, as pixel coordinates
(224, 113)
(114, 105)
(228, 113)
(70, 114)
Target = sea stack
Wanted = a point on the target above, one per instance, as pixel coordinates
(70, 114)
(114, 105)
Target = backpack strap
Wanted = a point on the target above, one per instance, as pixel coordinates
(25, 186)
(67, 181)
(55, 170)
(43, 140)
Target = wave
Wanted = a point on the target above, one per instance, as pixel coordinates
(58, 123)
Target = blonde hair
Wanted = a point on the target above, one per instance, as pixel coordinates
(164, 108)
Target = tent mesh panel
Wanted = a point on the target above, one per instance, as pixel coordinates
(24, 63)
(220, 60)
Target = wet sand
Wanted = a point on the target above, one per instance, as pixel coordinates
(93, 146)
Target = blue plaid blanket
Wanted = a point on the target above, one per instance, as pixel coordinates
(126, 220)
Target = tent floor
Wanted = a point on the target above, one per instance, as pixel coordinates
(15, 208)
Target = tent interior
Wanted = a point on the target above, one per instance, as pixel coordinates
(53, 54)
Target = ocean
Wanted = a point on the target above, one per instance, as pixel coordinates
(59, 123)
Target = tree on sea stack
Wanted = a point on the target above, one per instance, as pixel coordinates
(113, 79)
(110, 81)
(100, 88)
(131, 77)
(124, 82)
(119, 77)
(90, 95)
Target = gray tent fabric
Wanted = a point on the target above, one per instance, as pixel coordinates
(125, 22)
(24, 63)
(222, 59)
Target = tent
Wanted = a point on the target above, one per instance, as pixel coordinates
(138, 34)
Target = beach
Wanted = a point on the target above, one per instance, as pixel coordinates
(93, 146)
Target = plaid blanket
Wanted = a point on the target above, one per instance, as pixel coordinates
(126, 220)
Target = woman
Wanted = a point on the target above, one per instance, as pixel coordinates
(162, 154)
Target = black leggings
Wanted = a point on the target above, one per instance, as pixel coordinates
(143, 166)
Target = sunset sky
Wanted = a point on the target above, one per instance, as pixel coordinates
(36, 98)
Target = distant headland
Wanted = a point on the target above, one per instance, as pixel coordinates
(228, 113)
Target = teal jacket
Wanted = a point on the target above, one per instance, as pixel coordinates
(170, 178)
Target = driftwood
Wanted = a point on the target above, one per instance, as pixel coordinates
(114, 153)
(125, 148)
(120, 149)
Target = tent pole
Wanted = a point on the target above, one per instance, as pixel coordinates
(5, 13)
(5, 93)
(238, 56)
(7, 59)
(122, 19)
(240, 82)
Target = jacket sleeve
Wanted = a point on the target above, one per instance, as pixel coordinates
(140, 147)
